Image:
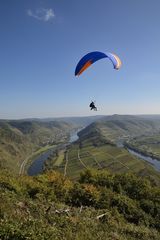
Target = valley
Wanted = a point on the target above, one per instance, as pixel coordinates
(102, 144)
(82, 176)
(21, 141)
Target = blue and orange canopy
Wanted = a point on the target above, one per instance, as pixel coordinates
(92, 57)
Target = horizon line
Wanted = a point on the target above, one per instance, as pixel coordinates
(83, 116)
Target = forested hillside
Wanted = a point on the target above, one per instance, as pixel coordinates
(123, 127)
(20, 139)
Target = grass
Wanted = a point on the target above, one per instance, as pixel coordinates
(59, 159)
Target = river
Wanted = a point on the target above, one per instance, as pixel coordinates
(154, 162)
(37, 165)
(74, 136)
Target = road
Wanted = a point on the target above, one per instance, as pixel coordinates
(23, 164)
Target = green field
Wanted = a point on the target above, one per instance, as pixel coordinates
(109, 157)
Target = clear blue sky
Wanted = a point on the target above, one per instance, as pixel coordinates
(41, 42)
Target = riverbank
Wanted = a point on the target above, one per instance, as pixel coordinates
(155, 162)
(144, 153)
(37, 165)
(29, 159)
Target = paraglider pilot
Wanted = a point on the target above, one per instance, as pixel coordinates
(92, 106)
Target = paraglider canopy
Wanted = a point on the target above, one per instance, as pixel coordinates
(92, 57)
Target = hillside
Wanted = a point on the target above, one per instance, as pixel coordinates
(123, 127)
(97, 148)
(91, 189)
(147, 145)
(100, 205)
(99, 154)
(141, 133)
(76, 121)
(20, 139)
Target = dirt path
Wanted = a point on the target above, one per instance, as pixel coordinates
(94, 157)
(65, 167)
(83, 164)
